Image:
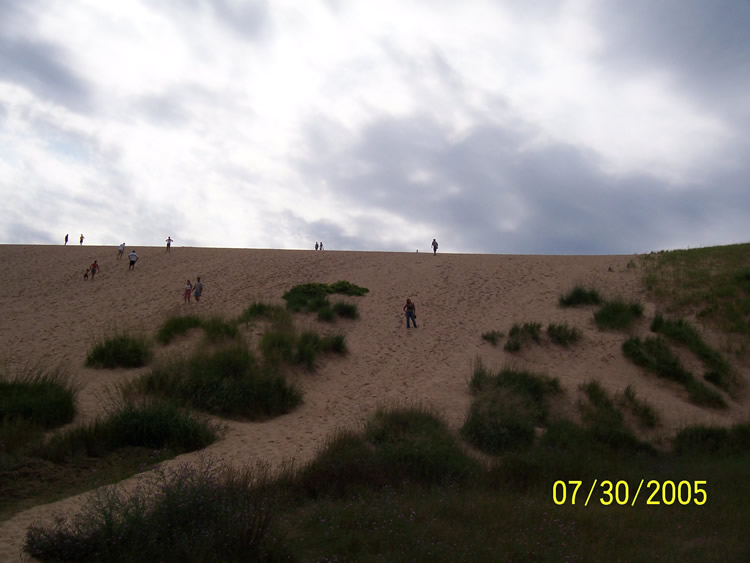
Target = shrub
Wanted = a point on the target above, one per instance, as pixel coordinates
(519, 334)
(563, 334)
(260, 310)
(346, 310)
(40, 398)
(128, 351)
(191, 513)
(645, 413)
(227, 382)
(492, 336)
(347, 288)
(579, 295)
(704, 440)
(175, 326)
(217, 329)
(617, 314)
(311, 297)
(326, 314)
(333, 343)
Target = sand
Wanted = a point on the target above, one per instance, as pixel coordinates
(50, 316)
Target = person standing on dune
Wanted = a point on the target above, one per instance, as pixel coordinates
(188, 291)
(66, 239)
(81, 239)
(169, 243)
(434, 246)
(198, 290)
(411, 313)
(133, 259)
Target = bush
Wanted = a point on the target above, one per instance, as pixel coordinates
(617, 315)
(260, 310)
(176, 326)
(563, 334)
(40, 398)
(312, 297)
(128, 351)
(346, 310)
(217, 329)
(579, 295)
(645, 413)
(520, 334)
(347, 288)
(202, 513)
(704, 440)
(492, 336)
(326, 314)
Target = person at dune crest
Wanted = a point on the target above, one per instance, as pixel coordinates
(120, 250)
(434, 246)
(411, 313)
(81, 239)
(66, 239)
(169, 243)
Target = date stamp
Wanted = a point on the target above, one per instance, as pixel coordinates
(621, 493)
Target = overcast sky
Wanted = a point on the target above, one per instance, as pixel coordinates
(543, 127)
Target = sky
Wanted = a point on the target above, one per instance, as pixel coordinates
(508, 127)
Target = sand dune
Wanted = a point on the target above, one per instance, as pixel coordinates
(48, 314)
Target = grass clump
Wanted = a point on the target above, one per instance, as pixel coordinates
(191, 513)
(645, 413)
(580, 295)
(492, 336)
(346, 310)
(655, 355)
(347, 288)
(41, 398)
(227, 382)
(506, 408)
(617, 314)
(704, 440)
(563, 334)
(520, 334)
(312, 297)
(217, 329)
(259, 310)
(123, 350)
(718, 370)
(176, 326)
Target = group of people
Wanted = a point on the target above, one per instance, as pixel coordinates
(80, 240)
(319, 246)
(196, 290)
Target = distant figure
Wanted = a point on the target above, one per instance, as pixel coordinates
(316, 245)
(121, 251)
(188, 291)
(94, 269)
(86, 274)
(434, 247)
(133, 259)
(66, 239)
(321, 245)
(411, 313)
(197, 290)
(169, 243)
(81, 239)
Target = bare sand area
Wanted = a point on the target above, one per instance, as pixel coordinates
(49, 315)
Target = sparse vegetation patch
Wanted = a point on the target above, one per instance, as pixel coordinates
(580, 295)
(617, 314)
(123, 350)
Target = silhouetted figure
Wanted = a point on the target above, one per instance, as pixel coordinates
(86, 274)
(316, 245)
(411, 313)
(434, 247)
(94, 269)
(321, 245)
(81, 239)
(66, 239)
(169, 243)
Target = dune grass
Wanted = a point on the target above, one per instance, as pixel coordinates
(563, 334)
(646, 415)
(520, 334)
(617, 314)
(121, 350)
(176, 326)
(580, 295)
(42, 398)
(259, 310)
(655, 355)
(227, 381)
(312, 297)
(493, 336)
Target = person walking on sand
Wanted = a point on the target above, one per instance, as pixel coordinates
(411, 313)
(66, 239)
(188, 291)
(81, 239)
(133, 259)
(121, 251)
(197, 290)
(434, 247)
(86, 274)
(321, 245)
(169, 243)
(94, 269)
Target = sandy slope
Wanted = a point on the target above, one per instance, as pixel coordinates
(49, 315)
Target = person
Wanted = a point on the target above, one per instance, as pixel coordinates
(321, 245)
(434, 247)
(94, 269)
(81, 239)
(66, 238)
(411, 313)
(86, 274)
(197, 290)
(169, 243)
(133, 259)
(316, 245)
(188, 291)
(121, 251)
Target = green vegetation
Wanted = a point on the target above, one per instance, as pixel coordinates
(617, 314)
(217, 329)
(580, 295)
(227, 381)
(259, 310)
(713, 283)
(645, 413)
(346, 310)
(718, 370)
(403, 489)
(506, 408)
(654, 354)
(520, 334)
(492, 336)
(42, 399)
(313, 297)
(122, 350)
(713, 441)
(563, 334)
(176, 326)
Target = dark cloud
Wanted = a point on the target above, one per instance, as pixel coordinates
(485, 194)
(704, 44)
(40, 66)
